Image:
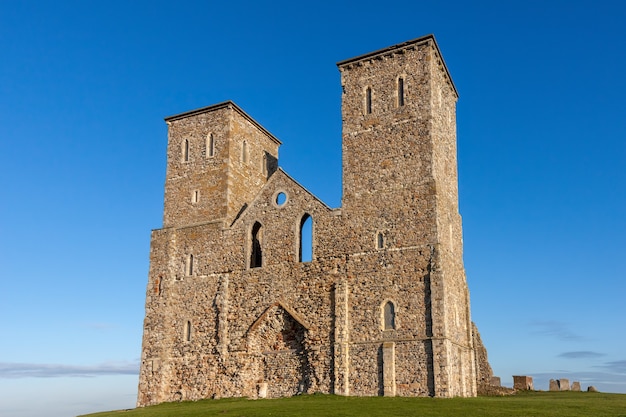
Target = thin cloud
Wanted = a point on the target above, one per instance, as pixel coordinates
(584, 354)
(10, 370)
(556, 329)
(618, 367)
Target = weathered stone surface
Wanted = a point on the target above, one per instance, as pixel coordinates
(591, 388)
(554, 385)
(575, 386)
(563, 384)
(523, 383)
(383, 306)
(484, 373)
(495, 381)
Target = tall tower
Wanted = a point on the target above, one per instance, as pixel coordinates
(400, 203)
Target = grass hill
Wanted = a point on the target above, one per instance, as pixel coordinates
(523, 404)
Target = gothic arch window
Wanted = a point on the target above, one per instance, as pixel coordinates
(305, 239)
(368, 100)
(210, 146)
(400, 92)
(189, 265)
(380, 240)
(244, 152)
(389, 316)
(187, 334)
(186, 150)
(256, 247)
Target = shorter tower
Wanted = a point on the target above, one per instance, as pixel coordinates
(218, 158)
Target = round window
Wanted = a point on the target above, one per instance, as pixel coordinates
(281, 199)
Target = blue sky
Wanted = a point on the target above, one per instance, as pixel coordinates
(84, 87)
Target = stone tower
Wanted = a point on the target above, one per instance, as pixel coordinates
(382, 307)
(400, 195)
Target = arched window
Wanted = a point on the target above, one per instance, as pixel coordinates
(158, 285)
(389, 316)
(189, 266)
(210, 146)
(188, 331)
(244, 152)
(380, 241)
(256, 251)
(368, 100)
(264, 164)
(186, 150)
(400, 92)
(305, 239)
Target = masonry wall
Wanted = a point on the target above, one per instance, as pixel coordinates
(387, 178)
(456, 307)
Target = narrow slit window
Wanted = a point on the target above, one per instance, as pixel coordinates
(389, 316)
(368, 100)
(380, 241)
(188, 331)
(244, 152)
(400, 92)
(195, 196)
(210, 146)
(256, 251)
(264, 165)
(186, 150)
(189, 266)
(158, 285)
(305, 247)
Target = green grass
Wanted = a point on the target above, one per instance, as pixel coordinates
(526, 404)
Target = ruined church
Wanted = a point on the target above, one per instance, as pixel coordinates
(258, 289)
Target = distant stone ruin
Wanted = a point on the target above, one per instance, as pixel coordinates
(523, 383)
(564, 385)
(554, 386)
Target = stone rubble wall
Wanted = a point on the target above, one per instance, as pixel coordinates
(484, 373)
